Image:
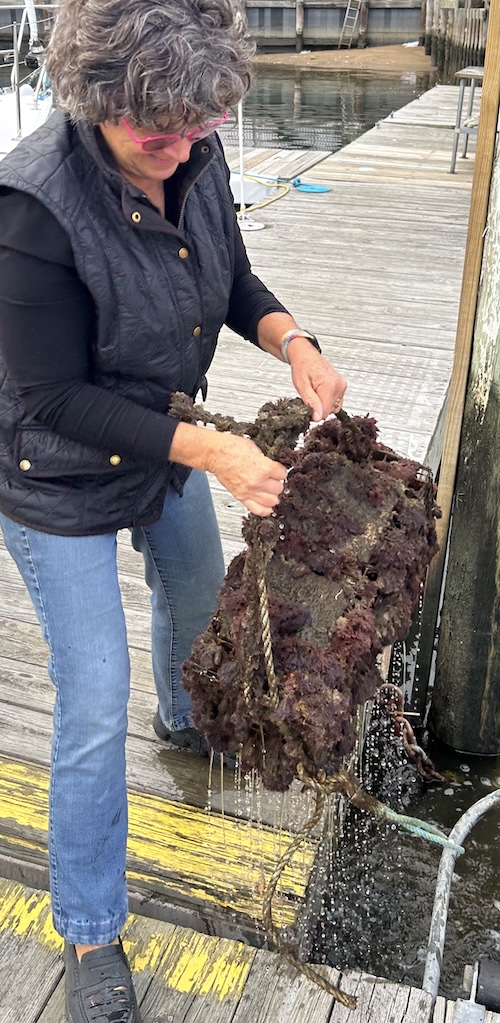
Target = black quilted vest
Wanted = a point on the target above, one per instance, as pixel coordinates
(153, 286)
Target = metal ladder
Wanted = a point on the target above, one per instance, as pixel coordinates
(350, 22)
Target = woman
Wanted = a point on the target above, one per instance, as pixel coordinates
(120, 261)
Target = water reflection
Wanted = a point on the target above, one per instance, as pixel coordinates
(306, 110)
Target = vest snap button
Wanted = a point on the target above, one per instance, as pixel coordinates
(115, 459)
(196, 331)
(25, 464)
(205, 149)
(183, 253)
(136, 217)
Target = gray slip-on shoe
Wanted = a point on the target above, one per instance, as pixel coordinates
(189, 739)
(99, 989)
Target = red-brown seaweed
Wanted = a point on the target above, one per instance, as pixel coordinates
(343, 558)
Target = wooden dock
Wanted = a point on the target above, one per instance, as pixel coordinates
(185, 977)
(374, 268)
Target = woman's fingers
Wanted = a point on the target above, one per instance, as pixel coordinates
(251, 477)
(319, 384)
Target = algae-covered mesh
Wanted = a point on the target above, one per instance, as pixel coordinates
(342, 560)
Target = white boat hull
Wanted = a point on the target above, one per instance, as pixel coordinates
(33, 114)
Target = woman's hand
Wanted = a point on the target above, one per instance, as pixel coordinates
(315, 379)
(251, 477)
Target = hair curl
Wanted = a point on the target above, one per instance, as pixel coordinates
(155, 62)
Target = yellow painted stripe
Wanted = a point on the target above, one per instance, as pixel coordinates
(179, 850)
(26, 913)
(194, 963)
(185, 961)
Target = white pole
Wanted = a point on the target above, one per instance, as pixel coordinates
(242, 163)
(245, 222)
(31, 12)
(15, 73)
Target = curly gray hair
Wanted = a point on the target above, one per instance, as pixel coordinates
(155, 62)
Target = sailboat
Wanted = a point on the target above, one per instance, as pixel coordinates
(27, 103)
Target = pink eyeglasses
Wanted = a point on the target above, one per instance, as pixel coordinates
(153, 142)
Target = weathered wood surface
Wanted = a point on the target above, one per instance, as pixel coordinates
(470, 403)
(411, 145)
(184, 977)
(374, 268)
(275, 163)
(465, 709)
(216, 866)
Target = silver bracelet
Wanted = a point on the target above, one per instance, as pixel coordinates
(290, 335)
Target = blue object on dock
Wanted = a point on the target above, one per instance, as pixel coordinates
(297, 183)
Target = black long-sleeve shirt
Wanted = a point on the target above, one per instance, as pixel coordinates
(47, 322)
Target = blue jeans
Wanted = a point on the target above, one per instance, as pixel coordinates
(73, 584)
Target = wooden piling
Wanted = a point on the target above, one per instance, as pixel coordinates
(466, 700)
(436, 4)
(362, 25)
(423, 14)
(428, 27)
(299, 26)
(456, 708)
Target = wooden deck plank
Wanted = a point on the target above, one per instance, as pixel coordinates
(276, 991)
(285, 164)
(439, 1010)
(419, 1008)
(425, 111)
(219, 866)
(411, 144)
(181, 976)
(198, 978)
(30, 969)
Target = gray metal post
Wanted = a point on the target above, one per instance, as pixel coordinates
(437, 931)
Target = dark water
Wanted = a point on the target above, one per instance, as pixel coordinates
(377, 910)
(310, 110)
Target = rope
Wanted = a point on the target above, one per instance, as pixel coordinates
(272, 931)
(272, 198)
(267, 912)
(349, 786)
(267, 645)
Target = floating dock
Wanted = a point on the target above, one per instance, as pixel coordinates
(373, 266)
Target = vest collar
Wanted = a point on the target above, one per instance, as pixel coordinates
(202, 154)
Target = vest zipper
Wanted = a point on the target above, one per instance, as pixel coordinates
(193, 183)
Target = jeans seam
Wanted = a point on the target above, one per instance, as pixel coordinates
(56, 904)
(172, 649)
